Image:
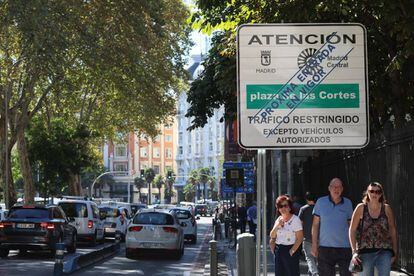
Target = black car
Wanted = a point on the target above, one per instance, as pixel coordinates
(201, 209)
(36, 227)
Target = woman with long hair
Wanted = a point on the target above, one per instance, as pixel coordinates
(376, 245)
(286, 238)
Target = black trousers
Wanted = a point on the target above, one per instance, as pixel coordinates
(328, 257)
(286, 265)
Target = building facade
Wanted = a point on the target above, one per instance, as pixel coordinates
(199, 148)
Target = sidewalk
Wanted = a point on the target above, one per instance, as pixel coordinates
(227, 263)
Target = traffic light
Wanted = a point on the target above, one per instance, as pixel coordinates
(169, 174)
(142, 173)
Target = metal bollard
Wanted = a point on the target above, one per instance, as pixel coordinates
(246, 255)
(213, 258)
(60, 251)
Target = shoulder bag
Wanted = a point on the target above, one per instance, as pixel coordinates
(357, 267)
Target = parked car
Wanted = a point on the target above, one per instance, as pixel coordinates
(84, 216)
(36, 227)
(155, 230)
(114, 221)
(190, 228)
(201, 209)
(135, 207)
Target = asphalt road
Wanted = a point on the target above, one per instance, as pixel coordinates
(192, 263)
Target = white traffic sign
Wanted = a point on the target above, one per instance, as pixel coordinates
(302, 86)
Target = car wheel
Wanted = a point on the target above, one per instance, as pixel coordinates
(72, 247)
(4, 252)
(128, 253)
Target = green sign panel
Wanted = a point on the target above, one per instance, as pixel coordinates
(344, 95)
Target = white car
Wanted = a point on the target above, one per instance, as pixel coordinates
(84, 216)
(155, 230)
(190, 230)
(115, 221)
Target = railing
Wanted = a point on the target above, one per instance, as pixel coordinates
(388, 159)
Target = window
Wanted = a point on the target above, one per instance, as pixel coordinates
(120, 151)
(95, 211)
(156, 152)
(168, 138)
(120, 167)
(189, 149)
(157, 169)
(74, 210)
(210, 148)
(57, 214)
(180, 137)
(143, 152)
(168, 153)
(168, 126)
(180, 150)
(154, 219)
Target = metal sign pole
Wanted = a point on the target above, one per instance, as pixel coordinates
(262, 155)
(259, 208)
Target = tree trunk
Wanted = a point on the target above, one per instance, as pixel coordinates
(74, 185)
(29, 190)
(11, 191)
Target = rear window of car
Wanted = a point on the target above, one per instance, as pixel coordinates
(22, 213)
(154, 218)
(110, 212)
(74, 209)
(201, 206)
(182, 214)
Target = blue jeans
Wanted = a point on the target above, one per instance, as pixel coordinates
(380, 259)
(310, 259)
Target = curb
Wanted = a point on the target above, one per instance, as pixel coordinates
(84, 260)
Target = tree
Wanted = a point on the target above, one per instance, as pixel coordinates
(189, 192)
(193, 180)
(390, 53)
(139, 183)
(169, 181)
(204, 177)
(159, 182)
(90, 62)
(149, 175)
(59, 152)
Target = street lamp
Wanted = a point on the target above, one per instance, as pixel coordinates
(96, 179)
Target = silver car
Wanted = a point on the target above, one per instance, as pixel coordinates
(155, 230)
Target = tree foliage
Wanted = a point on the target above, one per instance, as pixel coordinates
(390, 27)
(189, 191)
(102, 64)
(58, 152)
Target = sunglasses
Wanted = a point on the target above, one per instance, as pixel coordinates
(282, 206)
(378, 192)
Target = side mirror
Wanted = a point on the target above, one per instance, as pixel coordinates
(183, 224)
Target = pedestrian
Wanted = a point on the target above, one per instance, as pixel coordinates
(242, 218)
(296, 204)
(286, 238)
(305, 215)
(252, 218)
(377, 242)
(330, 242)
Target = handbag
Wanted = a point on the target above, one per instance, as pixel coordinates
(357, 267)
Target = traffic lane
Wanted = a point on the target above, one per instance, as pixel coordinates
(191, 263)
(37, 263)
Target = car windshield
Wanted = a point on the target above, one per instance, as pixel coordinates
(110, 212)
(74, 209)
(182, 214)
(154, 218)
(22, 213)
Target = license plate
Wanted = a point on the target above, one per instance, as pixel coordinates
(25, 225)
(151, 245)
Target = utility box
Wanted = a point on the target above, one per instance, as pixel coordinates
(246, 255)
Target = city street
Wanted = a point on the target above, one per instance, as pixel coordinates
(191, 263)
(41, 263)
